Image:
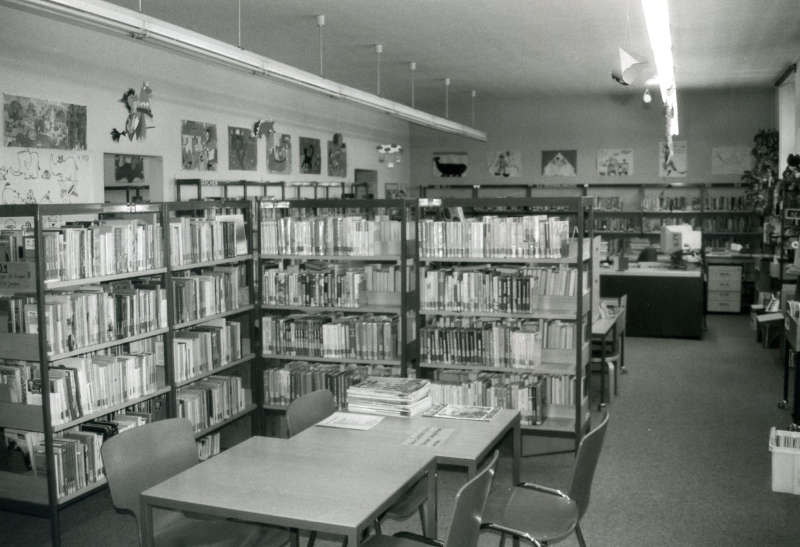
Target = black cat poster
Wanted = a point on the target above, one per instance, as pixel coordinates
(450, 164)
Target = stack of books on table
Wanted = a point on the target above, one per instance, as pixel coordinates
(390, 396)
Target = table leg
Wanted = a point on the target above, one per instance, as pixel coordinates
(351, 539)
(431, 505)
(146, 524)
(472, 470)
(622, 352)
(516, 449)
(603, 370)
(617, 364)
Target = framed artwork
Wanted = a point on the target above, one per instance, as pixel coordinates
(731, 160)
(242, 155)
(36, 123)
(675, 165)
(33, 175)
(450, 164)
(199, 145)
(310, 156)
(560, 163)
(128, 169)
(615, 162)
(506, 163)
(337, 156)
(279, 153)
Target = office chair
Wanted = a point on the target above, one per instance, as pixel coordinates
(147, 455)
(467, 514)
(309, 409)
(543, 515)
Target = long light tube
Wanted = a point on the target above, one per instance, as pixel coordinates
(112, 17)
(656, 16)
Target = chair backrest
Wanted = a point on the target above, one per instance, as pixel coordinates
(469, 505)
(585, 464)
(308, 410)
(145, 456)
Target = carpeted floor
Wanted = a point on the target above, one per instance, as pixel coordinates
(685, 460)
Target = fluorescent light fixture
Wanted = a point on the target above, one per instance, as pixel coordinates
(656, 16)
(112, 17)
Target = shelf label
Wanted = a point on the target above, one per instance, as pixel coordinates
(792, 214)
(282, 205)
(17, 276)
(430, 202)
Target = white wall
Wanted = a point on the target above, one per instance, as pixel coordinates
(48, 59)
(787, 107)
(587, 123)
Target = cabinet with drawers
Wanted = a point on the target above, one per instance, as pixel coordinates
(724, 288)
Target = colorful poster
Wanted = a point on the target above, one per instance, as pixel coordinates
(674, 165)
(199, 145)
(310, 156)
(279, 153)
(337, 156)
(560, 163)
(242, 155)
(128, 169)
(731, 160)
(33, 175)
(615, 162)
(36, 123)
(450, 164)
(506, 163)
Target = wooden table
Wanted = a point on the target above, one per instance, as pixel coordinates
(327, 479)
(603, 330)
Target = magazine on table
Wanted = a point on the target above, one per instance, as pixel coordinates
(463, 412)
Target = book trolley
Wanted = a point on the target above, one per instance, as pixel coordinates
(483, 322)
(97, 286)
(336, 296)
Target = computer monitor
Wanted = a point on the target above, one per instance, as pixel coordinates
(679, 237)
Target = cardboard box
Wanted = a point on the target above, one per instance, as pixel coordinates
(785, 462)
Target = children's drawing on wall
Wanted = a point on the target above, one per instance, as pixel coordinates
(450, 164)
(279, 153)
(672, 165)
(242, 155)
(506, 163)
(128, 169)
(615, 162)
(731, 160)
(560, 163)
(337, 156)
(139, 113)
(310, 156)
(44, 176)
(37, 123)
(199, 145)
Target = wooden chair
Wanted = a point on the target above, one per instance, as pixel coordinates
(467, 515)
(543, 515)
(147, 455)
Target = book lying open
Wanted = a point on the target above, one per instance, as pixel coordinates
(351, 420)
(463, 412)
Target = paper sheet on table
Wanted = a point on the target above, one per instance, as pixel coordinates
(351, 420)
(430, 436)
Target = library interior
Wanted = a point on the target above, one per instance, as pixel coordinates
(399, 273)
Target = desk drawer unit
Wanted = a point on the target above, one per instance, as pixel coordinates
(724, 289)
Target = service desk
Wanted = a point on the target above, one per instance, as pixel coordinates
(661, 302)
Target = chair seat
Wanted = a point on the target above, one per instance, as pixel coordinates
(410, 502)
(186, 532)
(546, 517)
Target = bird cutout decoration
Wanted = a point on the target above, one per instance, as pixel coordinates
(263, 128)
(631, 69)
(139, 112)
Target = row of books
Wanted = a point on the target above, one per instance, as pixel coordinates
(608, 203)
(671, 203)
(217, 291)
(84, 385)
(284, 385)
(617, 224)
(495, 289)
(331, 235)
(208, 446)
(722, 223)
(82, 250)
(330, 285)
(211, 400)
(654, 224)
(529, 236)
(524, 392)
(493, 343)
(17, 246)
(194, 240)
(331, 336)
(206, 347)
(20, 382)
(727, 203)
(389, 396)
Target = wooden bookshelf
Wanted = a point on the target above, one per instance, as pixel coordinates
(354, 360)
(207, 373)
(109, 409)
(53, 285)
(104, 345)
(332, 309)
(212, 263)
(206, 319)
(250, 407)
(333, 258)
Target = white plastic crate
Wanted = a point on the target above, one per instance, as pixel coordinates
(785, 448)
